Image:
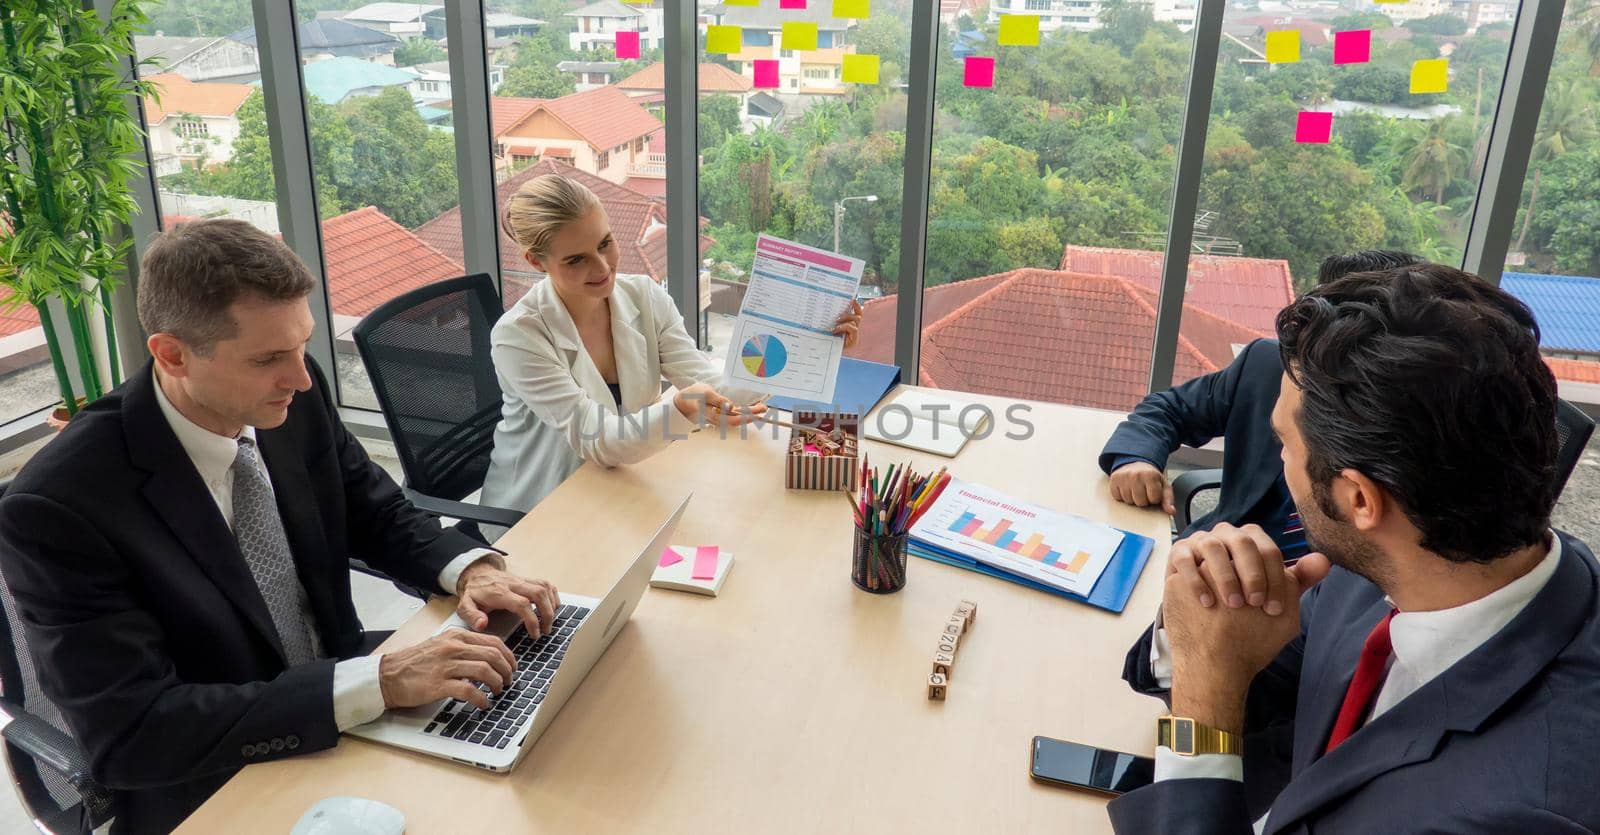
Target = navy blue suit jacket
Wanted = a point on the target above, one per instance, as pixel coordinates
(1234, 403)
(1503, 741)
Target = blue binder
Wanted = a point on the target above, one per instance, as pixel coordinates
(861, 385)
(1110, 592)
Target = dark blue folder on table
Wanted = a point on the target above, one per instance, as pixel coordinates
(1110, 592)
(860, 386)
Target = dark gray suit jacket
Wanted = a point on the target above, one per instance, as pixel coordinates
(1501, 742)
(145, 625)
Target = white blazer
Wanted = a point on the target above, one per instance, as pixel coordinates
(558, 412)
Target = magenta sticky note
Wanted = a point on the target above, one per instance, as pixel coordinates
(705, 563)
(627, 46)
(1314, 128)
(669, 556)
(1353, 47)
(766, 73)
(979, 72)
(791, 4)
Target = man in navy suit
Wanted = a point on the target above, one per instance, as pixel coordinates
(1234, 403)
(1431, 666)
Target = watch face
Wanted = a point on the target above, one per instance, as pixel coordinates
(1183, 736)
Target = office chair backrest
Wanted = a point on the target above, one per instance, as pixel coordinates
(49, 796)
(1573, 428)
(427, 355)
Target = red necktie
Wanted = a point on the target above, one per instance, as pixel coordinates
(1364, 687)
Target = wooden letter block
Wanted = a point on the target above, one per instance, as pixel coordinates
(953, 629)
(948, 643)
(936, 686)
(969, 609)
(943, 663)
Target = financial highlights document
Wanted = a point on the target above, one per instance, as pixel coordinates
(783, 341)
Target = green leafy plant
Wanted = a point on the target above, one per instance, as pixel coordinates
(65, 165)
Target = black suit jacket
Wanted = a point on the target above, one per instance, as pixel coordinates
(145, 625)
(1500, 742)
(1235, 403)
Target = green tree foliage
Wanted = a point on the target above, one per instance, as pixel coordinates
(533, 73)
(719, 119)
(1567, 220)
(1440, 24)
(418, 51)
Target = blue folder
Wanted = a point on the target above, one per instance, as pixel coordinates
(1110, 592)
(861, 385)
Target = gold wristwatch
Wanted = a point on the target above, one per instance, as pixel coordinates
(1186, 737)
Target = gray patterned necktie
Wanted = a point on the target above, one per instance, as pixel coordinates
(259, 530)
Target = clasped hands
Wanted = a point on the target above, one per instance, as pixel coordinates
(455, 662)
(1229, 607)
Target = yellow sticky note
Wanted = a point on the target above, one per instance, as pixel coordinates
(1430, 76)
(1283, 47)
(860, 69)
(741, 2)
(851, 8)
(728, 40)
(801, 37)
(1019, 30)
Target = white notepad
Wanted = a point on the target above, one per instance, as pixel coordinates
(927, 421)
(680, 575)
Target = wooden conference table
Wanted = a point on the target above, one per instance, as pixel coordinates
(793, 702)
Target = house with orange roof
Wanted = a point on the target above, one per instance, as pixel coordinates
(1249, 291)
(602, 132)
(192, 124)
(648, 86)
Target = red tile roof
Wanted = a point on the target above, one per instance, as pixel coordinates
(18, 320)
(372, 259)
(635, 221)
(605, 117)
(1054, 336)
(1249, 291)
(1574, 371)
(180, 95)
(648, 186)
(713, 78)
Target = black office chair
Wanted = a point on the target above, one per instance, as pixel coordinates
(48, 770)
(1573, 428)
(427, 355)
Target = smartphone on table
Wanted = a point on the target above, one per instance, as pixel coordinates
(1085, 767)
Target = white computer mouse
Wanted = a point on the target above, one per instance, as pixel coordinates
(350, 816)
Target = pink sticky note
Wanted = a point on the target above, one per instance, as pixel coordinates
(766, 73)
(1353, 47)
(979, 72)
(705, 563)
(669, 556)
(791, 4)
(627, 45)
(1314, 128)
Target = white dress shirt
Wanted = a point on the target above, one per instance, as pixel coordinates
(1425, 644)
(357, 694)
(558, 412)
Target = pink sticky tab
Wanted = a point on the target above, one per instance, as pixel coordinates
(1313, 128)
(791, 4)
(627, 46)
(979, 72)
(705, 563)
(669, 556)
(1353, 47)
(766, 73)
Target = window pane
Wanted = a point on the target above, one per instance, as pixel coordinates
(1554, 262)
(561, 109)
(803, 144)
(383, 156)
(1329, 135)
(1054, 153)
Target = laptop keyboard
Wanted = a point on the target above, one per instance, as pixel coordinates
(536, 665)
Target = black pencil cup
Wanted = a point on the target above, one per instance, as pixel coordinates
(878, 563)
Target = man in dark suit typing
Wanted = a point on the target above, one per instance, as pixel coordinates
(1435, 657)
(1233, 403)
(180, 554)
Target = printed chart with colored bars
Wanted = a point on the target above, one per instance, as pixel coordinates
(764, 356)
(1057, 549)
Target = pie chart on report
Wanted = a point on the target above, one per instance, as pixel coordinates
(764, 355)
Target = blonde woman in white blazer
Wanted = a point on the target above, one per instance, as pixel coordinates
(581, 357)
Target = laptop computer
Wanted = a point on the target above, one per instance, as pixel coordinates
(548, 671)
